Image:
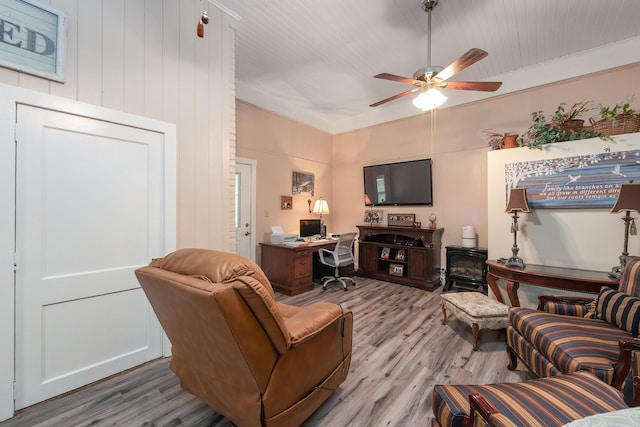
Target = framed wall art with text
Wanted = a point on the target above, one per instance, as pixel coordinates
(33, 38)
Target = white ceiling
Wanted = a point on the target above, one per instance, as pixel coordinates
(314, 60)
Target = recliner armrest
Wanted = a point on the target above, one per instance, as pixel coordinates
(311, 320)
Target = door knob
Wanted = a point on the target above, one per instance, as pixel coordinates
(246, 233)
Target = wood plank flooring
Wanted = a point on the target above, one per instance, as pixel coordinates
(400, 351)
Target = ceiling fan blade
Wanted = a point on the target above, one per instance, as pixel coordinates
(469, 58)
(400, 95)
(485, 86)
(395, 78)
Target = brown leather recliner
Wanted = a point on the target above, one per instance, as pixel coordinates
(254, 360)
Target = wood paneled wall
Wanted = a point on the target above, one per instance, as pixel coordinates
(143, 57)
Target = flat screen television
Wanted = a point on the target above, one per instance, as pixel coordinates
(310, 227)
(401, 183)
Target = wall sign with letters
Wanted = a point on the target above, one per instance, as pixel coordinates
(585, 181)
(33, 38)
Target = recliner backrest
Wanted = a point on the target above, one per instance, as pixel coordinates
(227, 268)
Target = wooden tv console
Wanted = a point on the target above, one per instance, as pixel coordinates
(405, 255)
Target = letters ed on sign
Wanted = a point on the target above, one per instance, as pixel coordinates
(33, 38)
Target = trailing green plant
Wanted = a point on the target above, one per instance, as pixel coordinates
(610, 113)
(543, 131)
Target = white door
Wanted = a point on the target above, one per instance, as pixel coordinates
(244, 209)
(89, 210)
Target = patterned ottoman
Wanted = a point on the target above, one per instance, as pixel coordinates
(476, 310)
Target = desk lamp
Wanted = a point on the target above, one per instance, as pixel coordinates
(321, 207)
(628, 200)
(517, 203)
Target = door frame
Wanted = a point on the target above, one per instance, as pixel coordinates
(253, 164)
(10, 97)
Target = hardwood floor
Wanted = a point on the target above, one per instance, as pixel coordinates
(400, 351)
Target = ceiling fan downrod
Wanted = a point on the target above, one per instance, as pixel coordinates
(427, 6)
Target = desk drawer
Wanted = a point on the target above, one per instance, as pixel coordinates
(302, 265)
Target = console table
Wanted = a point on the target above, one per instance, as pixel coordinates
(568, 279)
(405, 255)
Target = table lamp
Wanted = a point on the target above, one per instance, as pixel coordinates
(321, 207)
(517, 203)
(628, 200)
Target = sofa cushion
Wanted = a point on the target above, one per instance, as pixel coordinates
(619, 309)
(574, 396)
(570, 343)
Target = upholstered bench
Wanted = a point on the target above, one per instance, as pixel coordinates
(543, 402)
(476, 310)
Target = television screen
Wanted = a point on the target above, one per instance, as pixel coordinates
(310, 227)
(395, 184)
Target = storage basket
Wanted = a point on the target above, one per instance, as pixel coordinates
(623, 123)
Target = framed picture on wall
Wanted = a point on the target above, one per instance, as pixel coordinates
(35, 38)
(286, 203)
(302, 183)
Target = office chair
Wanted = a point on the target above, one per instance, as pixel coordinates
(340, 256)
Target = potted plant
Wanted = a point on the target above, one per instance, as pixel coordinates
(498, 140)
(563, 125)
(619, 119)
(567, 119)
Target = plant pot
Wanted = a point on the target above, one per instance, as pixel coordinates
(572, 125)
(510, 141)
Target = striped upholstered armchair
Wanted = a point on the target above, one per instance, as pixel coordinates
(543, 402)
(599, 336)
(589, 365)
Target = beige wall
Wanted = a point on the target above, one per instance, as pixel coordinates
(459, 151)
(281, 146)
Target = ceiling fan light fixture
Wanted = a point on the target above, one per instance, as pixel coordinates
(429, 99)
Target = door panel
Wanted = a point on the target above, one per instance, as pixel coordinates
(245, 180)
(89, 210)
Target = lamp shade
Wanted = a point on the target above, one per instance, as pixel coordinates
(518, 200)
(430, 99)
(628, 198)
(367, 200)
(321, 207)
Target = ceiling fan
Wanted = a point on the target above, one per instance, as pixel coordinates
(428, 80)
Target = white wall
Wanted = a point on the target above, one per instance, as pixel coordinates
(589, 239)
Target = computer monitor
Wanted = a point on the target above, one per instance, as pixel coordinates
(310, 227)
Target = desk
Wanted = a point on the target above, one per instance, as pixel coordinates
(290, 269)
(568, 279)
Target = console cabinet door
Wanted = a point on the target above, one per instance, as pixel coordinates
(368, 257)
(417, 268)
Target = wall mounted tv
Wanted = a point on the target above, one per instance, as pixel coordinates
(396, 184)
